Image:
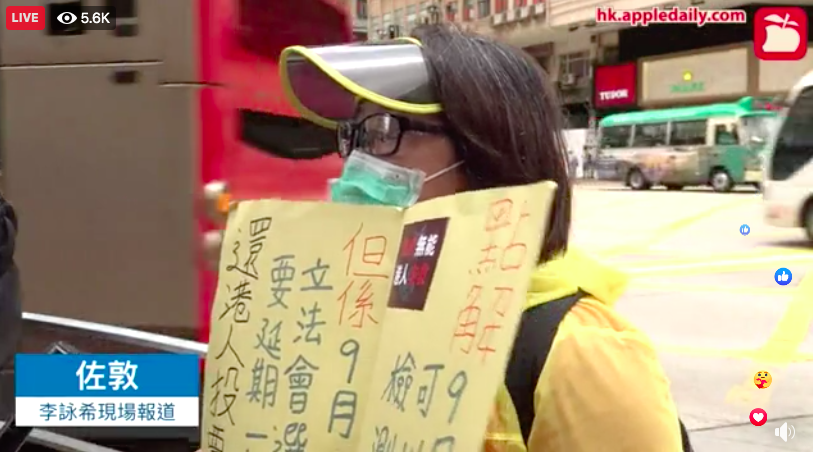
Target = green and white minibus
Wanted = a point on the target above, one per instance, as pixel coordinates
(718, 145)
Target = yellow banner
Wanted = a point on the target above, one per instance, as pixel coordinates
(343, 328)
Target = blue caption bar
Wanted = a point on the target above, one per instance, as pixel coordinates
(147, 375)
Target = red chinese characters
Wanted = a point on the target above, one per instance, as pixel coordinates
(487, 303)
(365, 256)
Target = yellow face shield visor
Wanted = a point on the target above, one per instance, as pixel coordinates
(325, 84)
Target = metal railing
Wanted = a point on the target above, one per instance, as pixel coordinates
(128, 336)
(57, 442)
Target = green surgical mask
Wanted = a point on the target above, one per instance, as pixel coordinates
(369, 180)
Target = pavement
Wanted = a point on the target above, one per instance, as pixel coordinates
(707, 297)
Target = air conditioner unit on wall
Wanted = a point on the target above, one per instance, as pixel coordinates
(538, 9)
(524, 12)
(567, 80)
(498, 19)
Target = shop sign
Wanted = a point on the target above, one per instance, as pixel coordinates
(688, 85)
(702, 75)
(614, 86)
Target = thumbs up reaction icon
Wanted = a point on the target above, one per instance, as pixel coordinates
(783, 276)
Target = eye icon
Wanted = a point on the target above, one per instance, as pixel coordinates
(66, 18)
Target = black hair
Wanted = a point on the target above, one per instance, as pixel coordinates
(505, 116)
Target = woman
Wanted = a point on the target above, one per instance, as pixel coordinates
(445, 112)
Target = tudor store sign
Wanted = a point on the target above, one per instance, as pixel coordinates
(615, 85)
(618, 94)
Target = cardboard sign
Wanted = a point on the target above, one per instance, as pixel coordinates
(344, 328)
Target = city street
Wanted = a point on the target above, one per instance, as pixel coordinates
(707, 297)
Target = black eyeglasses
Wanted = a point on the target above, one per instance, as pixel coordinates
(380, 134)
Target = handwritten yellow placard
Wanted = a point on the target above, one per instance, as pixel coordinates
(344, 328)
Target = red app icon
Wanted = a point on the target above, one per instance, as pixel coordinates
(758, 417)
(780, 33)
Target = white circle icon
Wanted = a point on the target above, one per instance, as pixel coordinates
(67, 18)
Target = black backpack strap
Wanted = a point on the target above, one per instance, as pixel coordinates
(684, 437)
(537, 328)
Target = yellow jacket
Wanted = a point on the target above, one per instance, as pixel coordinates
(602, 387)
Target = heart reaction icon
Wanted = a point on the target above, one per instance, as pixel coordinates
(758, 417)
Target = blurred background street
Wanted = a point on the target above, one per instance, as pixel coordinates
(706, 296)
(123, 149)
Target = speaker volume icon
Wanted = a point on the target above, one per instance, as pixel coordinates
(785, 431)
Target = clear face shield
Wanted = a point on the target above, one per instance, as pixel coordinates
(325, 84)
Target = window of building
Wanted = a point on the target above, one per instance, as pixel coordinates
(451, 11)
(576, 64)
(500, 6)
(649, 135)
(483, 8)
(688, 133)
(411, 18)
(609, 55)
(520, 3)
(361, 9)
(373, 24)
(398, 17)
(616, 137)
(468, 10)
(386, 21)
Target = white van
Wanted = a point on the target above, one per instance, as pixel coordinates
(788, 178)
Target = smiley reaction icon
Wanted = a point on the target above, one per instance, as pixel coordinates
(763, 379)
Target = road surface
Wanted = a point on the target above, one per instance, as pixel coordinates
(706, 295)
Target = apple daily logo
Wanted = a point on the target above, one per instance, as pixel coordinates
(783, 276)
(780, 33)
(614, 94)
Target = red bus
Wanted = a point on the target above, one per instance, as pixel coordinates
(258, 118)
(121, 149)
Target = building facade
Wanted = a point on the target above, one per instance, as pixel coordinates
(600, 69)
(359, 12)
